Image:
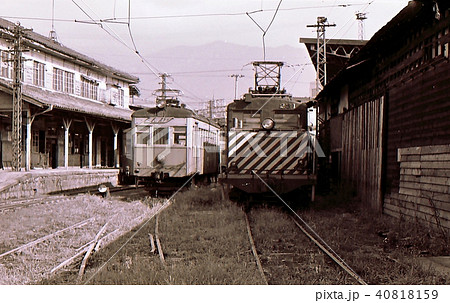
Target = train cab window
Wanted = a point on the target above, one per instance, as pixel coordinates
(142, 135)
(161, 135)
(286, 120)
(237, 123)
(179, 135)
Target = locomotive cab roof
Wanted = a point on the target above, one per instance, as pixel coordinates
(172, 112)
(168, 111)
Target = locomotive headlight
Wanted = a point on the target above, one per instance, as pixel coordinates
(160, 104)
(268, 124)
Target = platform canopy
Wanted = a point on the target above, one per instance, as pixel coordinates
(338, 52)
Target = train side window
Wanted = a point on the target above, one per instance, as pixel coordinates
(161, 135)
(179, 135)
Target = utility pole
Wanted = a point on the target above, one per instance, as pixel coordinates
(163, 83)
(167, 96)
(361, 17)
(321, 68)
(236, 76)
(210, 108)
(17, 98)
(321, 80)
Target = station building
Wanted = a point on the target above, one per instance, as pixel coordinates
(74, 107)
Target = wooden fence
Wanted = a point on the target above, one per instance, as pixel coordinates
(362, 131)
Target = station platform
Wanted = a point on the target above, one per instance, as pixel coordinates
(36, 182)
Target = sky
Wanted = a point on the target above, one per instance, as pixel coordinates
(156, 25)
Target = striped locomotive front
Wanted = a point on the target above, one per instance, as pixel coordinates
(267, 153)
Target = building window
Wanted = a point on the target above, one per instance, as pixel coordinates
(120, 97)
(89, 88)
(5, 66)
(35, 144)
(38, 141)
(38, 73)
(68, 82)
(63, 80)
(58, 75)
(76, 143)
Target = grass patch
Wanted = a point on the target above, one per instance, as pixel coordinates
(342, 195)
(381, 249)
(24, 225)
(204, 241)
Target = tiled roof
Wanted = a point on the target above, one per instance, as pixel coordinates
(35, 40)
(42, 97)
(76, 104)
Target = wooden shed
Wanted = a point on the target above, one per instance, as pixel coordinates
(386, 117)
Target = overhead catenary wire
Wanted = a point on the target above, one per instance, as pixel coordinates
(113, 34)
(129, 27)
(268, 27)
(115, 19)
(102, 22)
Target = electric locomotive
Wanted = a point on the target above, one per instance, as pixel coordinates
(167, 145)
(268, 144)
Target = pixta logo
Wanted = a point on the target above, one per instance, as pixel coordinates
(245, 143)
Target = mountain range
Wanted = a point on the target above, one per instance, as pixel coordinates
(203, 72)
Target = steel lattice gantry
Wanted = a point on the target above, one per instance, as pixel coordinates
(17, 99)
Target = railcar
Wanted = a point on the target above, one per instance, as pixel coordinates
(268, 143)
(167, 145)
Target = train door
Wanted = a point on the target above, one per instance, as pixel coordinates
(189, 146)
(196, 144)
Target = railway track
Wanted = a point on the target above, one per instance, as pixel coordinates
(12, 204)
(124, 192)
(288, 251)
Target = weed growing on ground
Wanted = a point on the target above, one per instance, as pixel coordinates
(204, 241)
(200, 197)
(342, 196)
